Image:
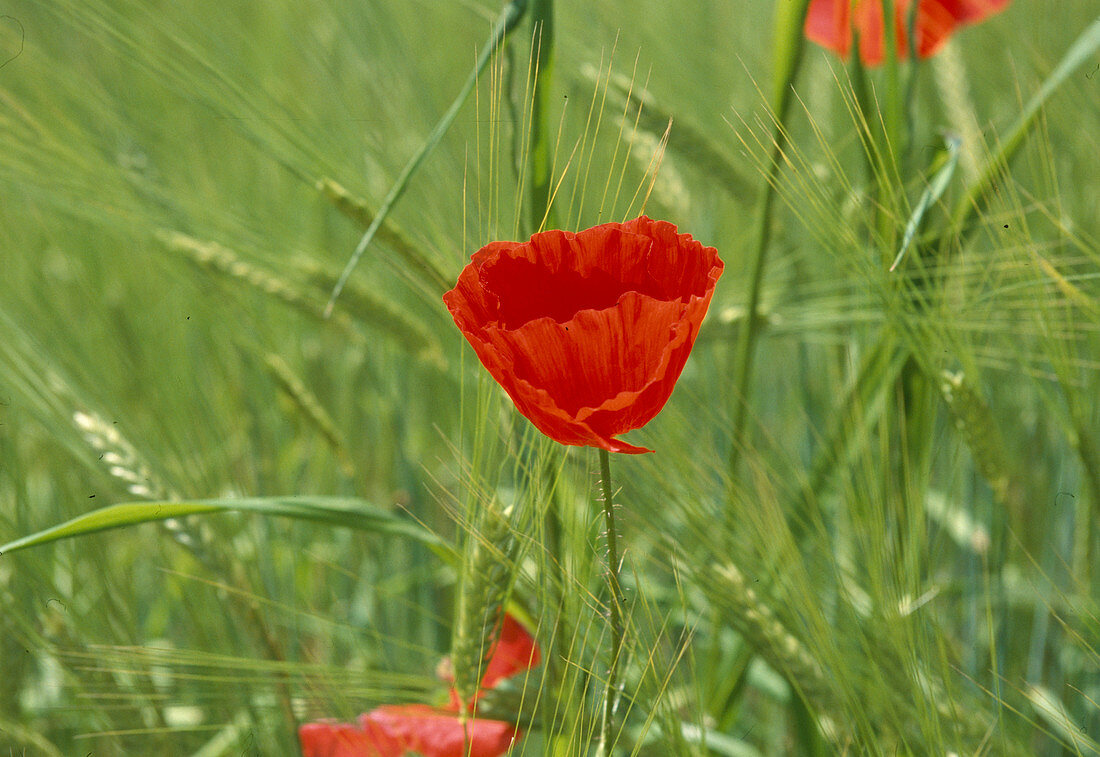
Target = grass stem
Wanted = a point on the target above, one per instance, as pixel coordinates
(611, 695)
(788, 45)
(542, 60)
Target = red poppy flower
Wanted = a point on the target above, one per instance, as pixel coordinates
(829, 23)
(587, 332)
(395, 730)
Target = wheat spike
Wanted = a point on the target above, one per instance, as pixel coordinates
(486, 581)
(311, 408)
(215, 257)
(123, 461)
(357, 210)
(974, 420)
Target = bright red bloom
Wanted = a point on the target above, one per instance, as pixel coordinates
(395, 730)
(587, 332)
(829, 23)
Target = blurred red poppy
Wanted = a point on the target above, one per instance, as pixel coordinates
(396, 730)
(830, 22)
(587, 332)
(329, 738)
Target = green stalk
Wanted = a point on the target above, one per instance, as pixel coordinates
(893, 81)
(611, 694)
(909, 103)
(538, 157)
(509, 17)
(790, 17)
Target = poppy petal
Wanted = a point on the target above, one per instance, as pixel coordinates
(938, 19)
(332, 739)
(601, 360)
(557, 274)
(434, 733)
(395, 730)
(829, 23)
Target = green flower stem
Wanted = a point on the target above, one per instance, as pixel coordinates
(893, 81)
(538, 158)
(790, 18)
(611, 695)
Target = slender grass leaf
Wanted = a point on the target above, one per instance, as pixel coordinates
(933, 192)
(789, 42)
(1078, 54)
(357, 209)
(334, 511)
(540, 73)
(789, 46)
(509, 17)
(1054, 714)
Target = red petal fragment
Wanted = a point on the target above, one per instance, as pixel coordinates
(829, 23)
(433, 733)
(333, 739)
(557, 274)
(515, 652)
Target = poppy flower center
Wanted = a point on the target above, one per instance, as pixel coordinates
(527, 290)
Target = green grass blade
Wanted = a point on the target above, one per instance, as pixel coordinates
(1079, 53)
(335, 511)
(931, 194)
(509, 17)
(789, 46)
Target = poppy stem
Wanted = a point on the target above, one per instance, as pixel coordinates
(611, 695)
(790, 20)
(538, 154)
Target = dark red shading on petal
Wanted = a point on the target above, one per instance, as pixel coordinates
(829, 23)
(438, 733)
(332, 739)
(587, 332)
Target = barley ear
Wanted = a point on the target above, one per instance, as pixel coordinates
(974, 420)
(486, 580)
